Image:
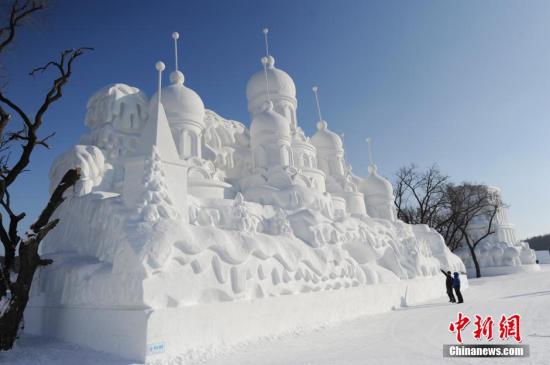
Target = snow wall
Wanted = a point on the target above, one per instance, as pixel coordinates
(161, 335)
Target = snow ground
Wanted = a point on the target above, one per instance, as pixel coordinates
(410, 335)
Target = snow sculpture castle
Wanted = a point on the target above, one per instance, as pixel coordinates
(188, 230)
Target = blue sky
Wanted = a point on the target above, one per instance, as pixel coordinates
(465, 84)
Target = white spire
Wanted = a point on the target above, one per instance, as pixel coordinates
(266, 31)
(315, 91)
(160, 67)
(265, 60)
(369, 143)
(176, 76)
(156, 134)
(176, 36)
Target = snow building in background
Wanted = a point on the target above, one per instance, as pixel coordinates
(188, 230)
(500, 252)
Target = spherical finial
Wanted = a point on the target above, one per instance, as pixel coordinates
(265, 30)
(372, 168)
(176, 77)
(264, 60)
(315, 89)
(160, 66)
(321, 125)
(175, 35)
(270, 61)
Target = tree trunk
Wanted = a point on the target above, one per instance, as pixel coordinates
(474, 258)
(29, 261)
(11, 319)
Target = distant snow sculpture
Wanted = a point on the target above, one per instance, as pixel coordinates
(500, 252)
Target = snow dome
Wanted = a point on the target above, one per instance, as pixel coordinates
(118, 104)
(268, 125)
(326, 139)
(281, 86)
(375, 184)
(185, 113)
(181, 103)
(378, 194)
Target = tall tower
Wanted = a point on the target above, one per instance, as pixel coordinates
(280, 88)
(185, 112)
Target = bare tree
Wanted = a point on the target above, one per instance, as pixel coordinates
(420, 196)
(471, 202)
(22, 140)
(429, 197)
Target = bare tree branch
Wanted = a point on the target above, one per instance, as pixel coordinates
(19, 12)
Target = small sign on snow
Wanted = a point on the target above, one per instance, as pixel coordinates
(156, 348)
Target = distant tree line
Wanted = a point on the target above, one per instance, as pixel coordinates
(539, 243)
(430, 197)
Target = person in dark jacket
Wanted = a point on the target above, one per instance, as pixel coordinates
(456, 286)
(449, 285)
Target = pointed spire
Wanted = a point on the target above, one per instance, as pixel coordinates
(269, 60)
(157, 133)
(266, 31)
(371, 159)
(176, 77)
(316, 92)
(176, 36)
(264, 63)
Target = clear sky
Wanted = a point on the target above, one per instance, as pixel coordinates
(465, 84)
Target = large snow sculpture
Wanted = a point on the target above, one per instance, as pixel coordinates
(180, 207)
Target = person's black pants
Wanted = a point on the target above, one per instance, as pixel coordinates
(459, 295)
(451, 295)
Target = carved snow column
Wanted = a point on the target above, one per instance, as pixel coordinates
(156, 144)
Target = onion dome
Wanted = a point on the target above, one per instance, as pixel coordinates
(269, 125)
(280, 86)
(326, 140)
(376, 185)
(180, 102)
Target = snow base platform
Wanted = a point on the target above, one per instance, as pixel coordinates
(159, 335)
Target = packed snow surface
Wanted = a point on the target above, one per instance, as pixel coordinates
(410, 335)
